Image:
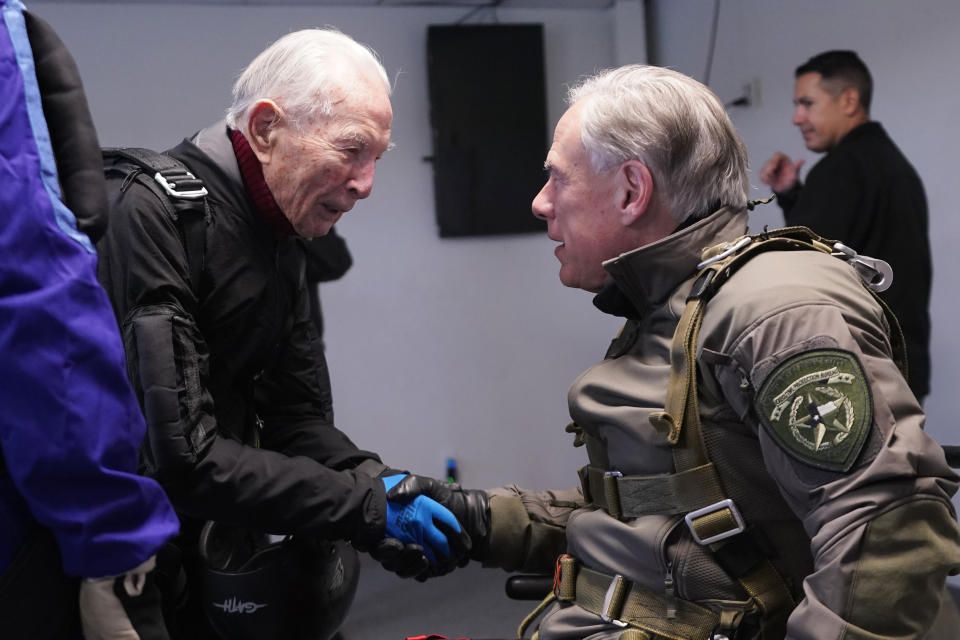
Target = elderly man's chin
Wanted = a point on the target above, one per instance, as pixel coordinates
(316, 226)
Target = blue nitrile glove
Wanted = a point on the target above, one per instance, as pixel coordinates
(421, 521)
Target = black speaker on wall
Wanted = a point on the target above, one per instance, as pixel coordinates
(488, 114)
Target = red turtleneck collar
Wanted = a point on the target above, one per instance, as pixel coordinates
(252, 172)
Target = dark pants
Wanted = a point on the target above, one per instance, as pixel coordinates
(37, 601)
(179, 581)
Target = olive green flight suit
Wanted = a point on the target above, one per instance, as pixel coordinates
(815, 434)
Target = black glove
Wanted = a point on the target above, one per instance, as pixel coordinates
(405, 560)
(419, 519)
(123, 606)
(471, 507)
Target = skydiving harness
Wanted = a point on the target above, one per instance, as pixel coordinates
(694, 490)
(182, 195)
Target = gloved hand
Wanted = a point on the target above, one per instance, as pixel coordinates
(420, 520)
(405, 560)
(470, 506)
(123, 606)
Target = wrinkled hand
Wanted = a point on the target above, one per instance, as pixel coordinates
(471, 507)
(780, 173)
(123, 606)
(420, 520)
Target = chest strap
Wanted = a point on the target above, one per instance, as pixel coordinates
(695, 493)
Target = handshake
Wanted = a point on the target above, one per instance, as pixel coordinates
(432, 526)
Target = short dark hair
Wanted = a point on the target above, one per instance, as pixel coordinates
(845, 66)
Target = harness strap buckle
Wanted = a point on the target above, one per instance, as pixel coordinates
(875, 272)
(613, 601)
(716, 522)
(728, 250)
(172, 180)
(565, 578)
(729, 626)
(611, 491)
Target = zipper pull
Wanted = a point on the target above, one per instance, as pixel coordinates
(257, 437)
(671, 593)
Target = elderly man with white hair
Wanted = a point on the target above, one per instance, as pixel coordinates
(204, 265)
(757, 465)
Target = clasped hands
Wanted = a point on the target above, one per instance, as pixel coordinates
(431, 526)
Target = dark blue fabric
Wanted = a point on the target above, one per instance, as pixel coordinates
(70, 426)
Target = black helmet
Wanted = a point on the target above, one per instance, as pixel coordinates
(298, 587)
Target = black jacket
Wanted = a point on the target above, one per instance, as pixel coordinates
(240, 364)
(866, 194)
(328, 258)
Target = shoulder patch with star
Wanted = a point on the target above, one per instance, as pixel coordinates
(818, 407)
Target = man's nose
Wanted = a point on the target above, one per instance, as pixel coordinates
(361, 181)
(799, 116)
(541, 206)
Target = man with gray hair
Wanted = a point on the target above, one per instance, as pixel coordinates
(757, 464)
(226, 360)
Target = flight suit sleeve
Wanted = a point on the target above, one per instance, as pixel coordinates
(842, 436)
(528, 528)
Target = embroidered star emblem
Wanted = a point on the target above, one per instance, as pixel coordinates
(817, 406)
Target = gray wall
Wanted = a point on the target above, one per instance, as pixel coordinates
(466, 347)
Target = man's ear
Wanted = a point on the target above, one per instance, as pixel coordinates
(850, 101)
(261, 129)
(635, 190)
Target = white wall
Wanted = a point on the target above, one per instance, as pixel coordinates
(912, 50)
(454, 347)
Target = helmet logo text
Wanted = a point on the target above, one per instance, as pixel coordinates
(238, 606)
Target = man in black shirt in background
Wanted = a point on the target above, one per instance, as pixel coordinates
(863, 192)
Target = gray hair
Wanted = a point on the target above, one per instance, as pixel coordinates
(674, 125)
(305, 72)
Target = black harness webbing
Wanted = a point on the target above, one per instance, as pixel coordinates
(182, 195)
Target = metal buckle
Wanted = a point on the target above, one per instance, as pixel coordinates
(171, 188)
(611, 493)
(715, 507)
(729, 250)
(875, 272)
(607, 598)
